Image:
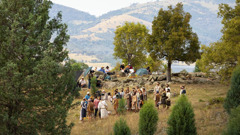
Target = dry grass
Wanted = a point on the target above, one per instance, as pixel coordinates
(210, 120)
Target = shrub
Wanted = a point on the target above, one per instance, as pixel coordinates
(232, 99)
(93, 86)
(181, 120)
(121, 106)
(216, 100)
(121, 128)
(233, 127)
(148, 119)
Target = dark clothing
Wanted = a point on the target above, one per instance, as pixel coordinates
(164, 98)
(141, 100)
(95, 113)
(122, 67)
(90, 76)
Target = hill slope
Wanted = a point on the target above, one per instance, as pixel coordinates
(94, 36)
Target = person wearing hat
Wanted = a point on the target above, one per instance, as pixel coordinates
(90, 108)
(90, 76)
(87, 96)
(102, 70)
(83, 111)
(83, 83)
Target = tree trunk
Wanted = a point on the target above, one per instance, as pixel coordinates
(169, 71)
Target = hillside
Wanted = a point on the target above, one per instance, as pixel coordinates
(94, 36)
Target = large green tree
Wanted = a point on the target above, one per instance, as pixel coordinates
(223, 56)
(172, 37)
(129, 43)
(34, 85)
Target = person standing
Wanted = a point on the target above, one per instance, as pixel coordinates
(163, 99)
(83, 112)
(144, 94)
(141, 100)
(96, 102)
(90, 109)
(183, 91)
(102, 106)
(115, 103)
(90, 76)
(87, 96)
(167, 87)
(157, 99)
(168, 100)
(122, 93)
(128, 99)
(134, 102)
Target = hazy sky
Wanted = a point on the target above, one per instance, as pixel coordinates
(98, 7)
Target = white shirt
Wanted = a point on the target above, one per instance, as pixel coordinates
(82, 81)
(167, 88)
(107, 70)
(168, 95)
(157, 88)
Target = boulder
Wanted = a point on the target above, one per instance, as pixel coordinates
(115, 80)
(201, 74)
(128, 80)
(177, 79)
(98, 73)
(201, 80)
(110, 85)
(113, 77)
(162, 77)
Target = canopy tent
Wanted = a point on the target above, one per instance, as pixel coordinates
(141, 71)
(87, 71)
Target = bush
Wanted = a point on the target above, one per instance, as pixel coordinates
(232, 99)
(216, 100)
(233, 127)
(121, 106)
(181, 120)
(148, 119)
(93, 86)
(121, 128)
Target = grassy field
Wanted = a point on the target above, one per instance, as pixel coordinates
(210, 119)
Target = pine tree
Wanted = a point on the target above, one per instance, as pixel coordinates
(121, 128)
(148, 119)
(172, 37)
(181, 120)
(233, 127)
(34, 86)
(121, 106)
(93, 86)
(232, 99)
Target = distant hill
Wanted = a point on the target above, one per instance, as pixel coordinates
(94, 36)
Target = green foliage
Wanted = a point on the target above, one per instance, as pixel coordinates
(78, 65)
(35, 89)
(223, 56)
(93, 86)
(117, 67)
(216, 100)
(233, 127)
(232, 99)
(121, 128)
(155, 65)
(197, 69)
(172, 37)
(129, 43)
(148, 119)
(181, 121)
(121, 106)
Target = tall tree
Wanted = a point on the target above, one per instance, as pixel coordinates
(129, 43)
(182, 121)
(34, 86)
(233, 127)
(172, 37)
(223, 56)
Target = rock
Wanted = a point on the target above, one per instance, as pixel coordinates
(115, 80)
(201, 74)
(177, 79)
(98, 73)
(150, 91)
(201, 80)
(113, 77)
(175, 74)
(110, 85)
(128, 80)
(162, 77)
(155, 77)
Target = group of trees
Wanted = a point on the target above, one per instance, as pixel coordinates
(180, 122)
(171, 39)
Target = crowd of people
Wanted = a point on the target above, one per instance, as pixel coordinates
(97, 105)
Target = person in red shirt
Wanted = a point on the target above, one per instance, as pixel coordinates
(96, 102)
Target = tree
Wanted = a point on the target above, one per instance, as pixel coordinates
(232, 99)
(78, 65)
(233, 127)
(34, 87)
(197, 69)
(223, 56)
(129, 43)
(181, 121)
(156, 65)
(93, 86)
(148, 119)
(121, 128)
(172, 37)
(121, 106)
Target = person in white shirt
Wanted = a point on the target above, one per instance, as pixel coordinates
(83, 83)
(167, 87)
(102, 106)
(168, 103)
(107, 69)
(157, 88)
(183, 91)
